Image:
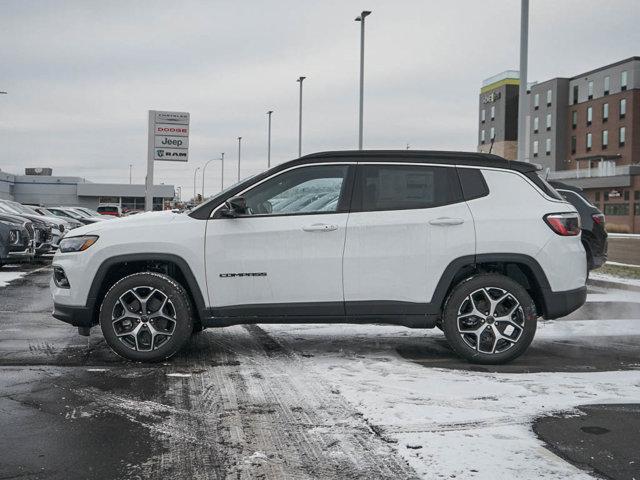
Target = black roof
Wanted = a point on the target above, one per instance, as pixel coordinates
(432, 156)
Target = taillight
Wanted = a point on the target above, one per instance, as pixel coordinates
(565, 224)
(598, 218)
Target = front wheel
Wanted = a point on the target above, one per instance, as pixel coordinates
(489, 319)
(146, 317)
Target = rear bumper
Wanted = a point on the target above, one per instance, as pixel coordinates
(559, 304)
(76, 316)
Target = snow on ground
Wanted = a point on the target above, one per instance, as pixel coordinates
(7, 274)
(460, 423)
(612, 278)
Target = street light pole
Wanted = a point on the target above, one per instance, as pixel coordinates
(523, 104)
(222, 172)
(300, 80)
(269, 141)
(194, 184)
(130, 167)
(239, 150)
(360, 19)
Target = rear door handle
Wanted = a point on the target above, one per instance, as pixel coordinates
(320, 227)
(446, 221)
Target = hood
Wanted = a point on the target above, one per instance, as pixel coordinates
(142, 219)
(13, 219)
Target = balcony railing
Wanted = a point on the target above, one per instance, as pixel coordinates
(604, 169)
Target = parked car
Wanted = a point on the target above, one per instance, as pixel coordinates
(16, 241)
(47, 230)
(472, 242)
(594, 231)
(92, 213)
(71, 215)
(112, 209)
(48, 213)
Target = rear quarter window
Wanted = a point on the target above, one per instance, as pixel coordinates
(473, 183)
(543, 185)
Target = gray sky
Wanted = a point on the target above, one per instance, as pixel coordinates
(82, 75)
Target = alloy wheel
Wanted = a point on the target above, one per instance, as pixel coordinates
(490, 320)
(143, 318)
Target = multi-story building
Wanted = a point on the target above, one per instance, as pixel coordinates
(585, 131)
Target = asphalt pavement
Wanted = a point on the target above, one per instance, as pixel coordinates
(236, 403)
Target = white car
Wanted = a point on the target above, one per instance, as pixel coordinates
(472, 243)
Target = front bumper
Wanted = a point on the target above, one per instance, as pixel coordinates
(559, 304)
(76, 316)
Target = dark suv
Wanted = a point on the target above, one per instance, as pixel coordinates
(594, 232)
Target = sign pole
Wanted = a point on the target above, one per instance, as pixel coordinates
(148, 196)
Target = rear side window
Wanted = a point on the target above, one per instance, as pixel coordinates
(108, 209)
(543, 185)
(403, 187)
(473, 183)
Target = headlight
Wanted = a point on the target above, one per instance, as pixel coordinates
(77, 244)
(14, 237)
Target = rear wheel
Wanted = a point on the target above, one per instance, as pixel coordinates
(146, 317)
(489, 319)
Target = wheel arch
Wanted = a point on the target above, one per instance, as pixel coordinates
(115, 268)
(521, 268)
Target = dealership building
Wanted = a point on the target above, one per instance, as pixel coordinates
(584, 130)
(39, 186)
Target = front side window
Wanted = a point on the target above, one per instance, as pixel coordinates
(305, 190)
(403, 187)
(623, 107)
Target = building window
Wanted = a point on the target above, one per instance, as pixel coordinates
(535, 148)
(607, 84)
(493, 112)
(623, 107)
(590, 90)
(605, 139)
(548, 146)
(573, 144)
(536, 101)
(535, 124)
(597, 196)
(549, 97)
(636, 197)
(622, 135)
(589, 115)
(589, 142)
(483, 114)
(574, 119)
(493, 133)
(616, 209)
(575, 94)
(548, 122)
(605, 112)
(623, 81)
(625, 195)
(482, 136)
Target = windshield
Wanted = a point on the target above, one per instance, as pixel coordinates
(24, 209)
(6, 208)
(81, 213)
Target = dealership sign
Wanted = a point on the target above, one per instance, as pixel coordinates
(169, 135)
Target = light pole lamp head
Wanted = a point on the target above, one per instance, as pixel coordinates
(239, 138)
(363, 15)
(269, 112)
(300, 79)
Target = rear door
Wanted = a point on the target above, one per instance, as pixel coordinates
(408, 222)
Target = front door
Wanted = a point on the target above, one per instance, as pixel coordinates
(284, 256)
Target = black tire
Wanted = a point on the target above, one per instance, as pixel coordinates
(173, 326)
(516, 329)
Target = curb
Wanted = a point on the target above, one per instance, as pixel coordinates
(609, 284)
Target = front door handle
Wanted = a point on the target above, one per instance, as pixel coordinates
(446, 221)
(320, 227)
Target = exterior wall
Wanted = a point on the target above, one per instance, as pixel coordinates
(6, 186)
(613, 71)
(505, 100)
(557, 133)
(622, 212)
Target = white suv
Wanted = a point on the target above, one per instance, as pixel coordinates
(471, 243)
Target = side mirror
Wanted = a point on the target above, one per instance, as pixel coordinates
(234, 207)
